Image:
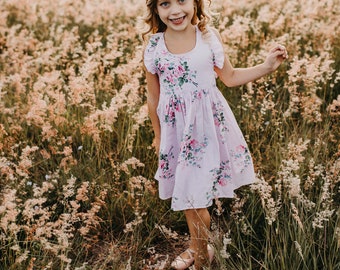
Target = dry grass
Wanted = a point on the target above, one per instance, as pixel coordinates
(76, 161)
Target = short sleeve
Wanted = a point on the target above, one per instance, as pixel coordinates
(149, 54)
(217, 49)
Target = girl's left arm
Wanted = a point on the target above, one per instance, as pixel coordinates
(231, 76)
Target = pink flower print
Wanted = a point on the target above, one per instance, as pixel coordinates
(179, 71)
(221, 176)
(162, 164)
(193, 143)
(175, 105)
(192, 149)
(222, 182)
(170, 79)
(240, 149)
(241, 157)
(160, 68)
(198, 94)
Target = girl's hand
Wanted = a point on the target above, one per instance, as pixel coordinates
(275, 57)
(156, 143)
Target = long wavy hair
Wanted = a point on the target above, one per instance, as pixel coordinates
(201, 17)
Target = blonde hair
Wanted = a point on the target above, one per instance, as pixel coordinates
(201, 17)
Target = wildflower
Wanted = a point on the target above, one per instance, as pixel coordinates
(226, 241)
(23, 257)
(167, 232)
(299, 249)
(321, 218)
(82, 192)
(296, 216)
(271, 206)
(334, 108)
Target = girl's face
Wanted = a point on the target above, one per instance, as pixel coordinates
(176, 14)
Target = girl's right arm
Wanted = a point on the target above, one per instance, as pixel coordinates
(153, 89)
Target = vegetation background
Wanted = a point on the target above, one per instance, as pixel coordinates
(76, 156)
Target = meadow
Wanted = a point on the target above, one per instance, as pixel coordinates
(76, 155)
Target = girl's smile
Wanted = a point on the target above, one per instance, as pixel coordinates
(176, 14)
(177, 21)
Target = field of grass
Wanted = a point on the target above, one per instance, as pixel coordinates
(76, 156)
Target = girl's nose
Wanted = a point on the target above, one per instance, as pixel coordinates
(176, 8)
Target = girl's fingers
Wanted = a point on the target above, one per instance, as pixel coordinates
(280, 50)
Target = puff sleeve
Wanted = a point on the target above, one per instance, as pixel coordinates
(217, 50)
(149, 54)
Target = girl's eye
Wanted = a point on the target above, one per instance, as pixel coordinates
(164, 4)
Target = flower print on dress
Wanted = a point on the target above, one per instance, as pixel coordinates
(175, 105)
(198, 94)
(241, 157)
(164, 162)
(219, 119)
(153, 43)
(192, 150)
(221, 176)
(175, 72)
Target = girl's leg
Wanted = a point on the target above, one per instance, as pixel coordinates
(199, 225)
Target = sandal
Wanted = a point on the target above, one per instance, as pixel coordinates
(180, 263)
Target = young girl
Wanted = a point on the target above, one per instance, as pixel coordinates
(202, 152)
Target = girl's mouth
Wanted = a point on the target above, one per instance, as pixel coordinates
(178, 20)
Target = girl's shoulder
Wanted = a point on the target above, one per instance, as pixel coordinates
(211, 34)
(213, 38)
(150, 50)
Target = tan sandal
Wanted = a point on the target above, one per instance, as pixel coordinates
(180, 263)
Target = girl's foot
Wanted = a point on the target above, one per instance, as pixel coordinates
(211, 253)
(184, 260)
(205, 262)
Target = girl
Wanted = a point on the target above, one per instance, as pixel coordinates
(202, 152)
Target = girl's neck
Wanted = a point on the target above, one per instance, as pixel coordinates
(179, 35)
(179, 42)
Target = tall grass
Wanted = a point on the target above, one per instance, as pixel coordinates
(76, 155)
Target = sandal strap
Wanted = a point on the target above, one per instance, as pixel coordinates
(190, 252)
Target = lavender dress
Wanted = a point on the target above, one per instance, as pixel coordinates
(203, 154)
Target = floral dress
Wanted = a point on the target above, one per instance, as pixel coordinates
(203, 154)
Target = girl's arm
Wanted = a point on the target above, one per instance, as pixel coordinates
(237, 76)
(152, 83)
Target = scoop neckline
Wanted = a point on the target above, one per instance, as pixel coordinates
(185, 53)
